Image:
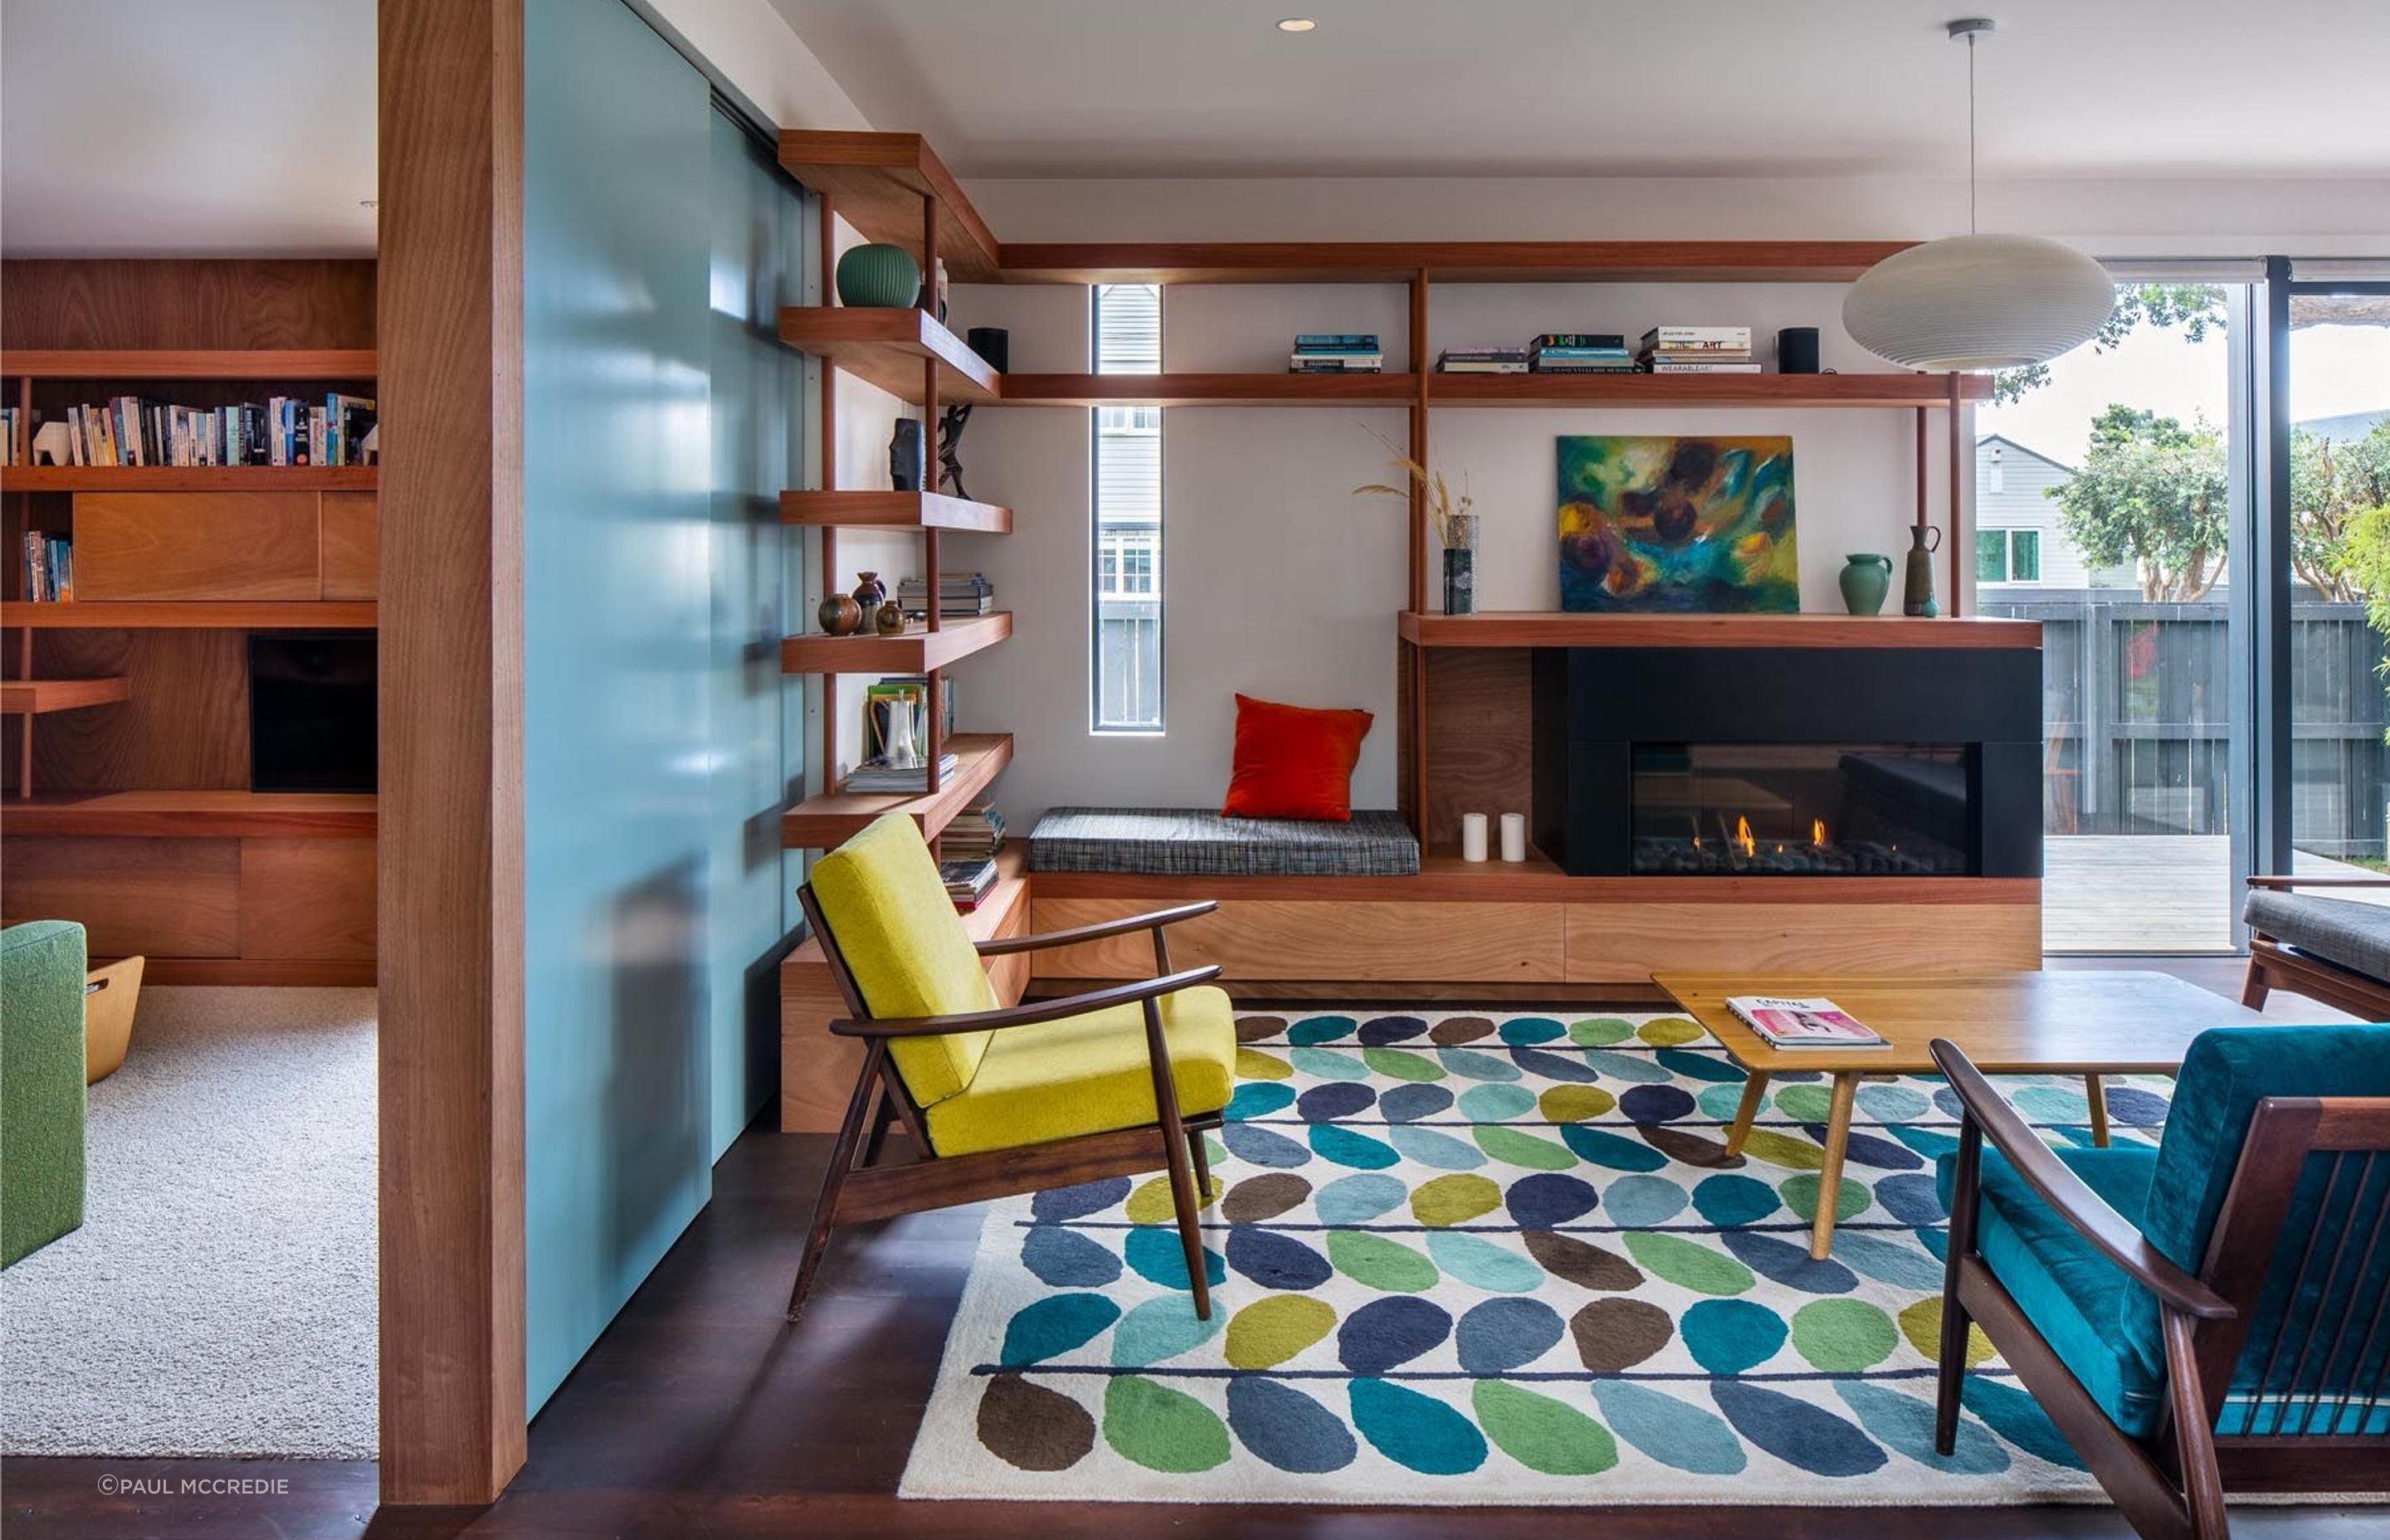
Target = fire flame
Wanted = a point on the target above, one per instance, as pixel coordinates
(1818, 832)
(1742, 837)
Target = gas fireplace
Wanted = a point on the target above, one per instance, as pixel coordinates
(1800, 809)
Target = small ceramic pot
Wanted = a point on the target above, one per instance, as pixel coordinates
(885, 277)
(890, 620)
(840, 615)
(1865, 579)
(868, 594)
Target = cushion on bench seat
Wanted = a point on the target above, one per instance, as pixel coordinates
(1190, 842)
(2353, 934)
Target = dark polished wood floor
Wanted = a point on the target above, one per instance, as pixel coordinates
(699, 1414)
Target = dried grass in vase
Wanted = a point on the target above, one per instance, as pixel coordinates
(1456, 526)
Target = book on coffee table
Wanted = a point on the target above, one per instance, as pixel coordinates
(1784, 1023)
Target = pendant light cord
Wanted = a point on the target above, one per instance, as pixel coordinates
(1970, 133)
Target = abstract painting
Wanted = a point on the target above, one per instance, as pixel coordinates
(1688, 525)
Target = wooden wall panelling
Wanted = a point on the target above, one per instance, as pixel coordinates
(451, 879)
(225, 304)
(307, 899)
(1479, 737)
(177, 898)
(183, 726)
(198, 545)
(1627, 942)
(1261, 938)
(352, 544)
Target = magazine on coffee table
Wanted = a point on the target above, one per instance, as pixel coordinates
(1816, 1023)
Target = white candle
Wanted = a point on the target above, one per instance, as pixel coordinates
(1514, 837)
(1472, 836)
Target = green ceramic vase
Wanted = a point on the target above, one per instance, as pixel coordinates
(882, 277)
(1867, 578)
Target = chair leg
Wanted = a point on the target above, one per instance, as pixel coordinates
(2194, 1435)
(859, 1107)
(1951, 1373)
(2254, 986)
(1202, 1161)
(1176, 1156)
(2095, 1093)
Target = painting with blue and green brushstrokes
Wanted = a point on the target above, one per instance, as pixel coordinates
(1677, 525)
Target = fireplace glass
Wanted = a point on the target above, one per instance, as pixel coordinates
(1802, 810)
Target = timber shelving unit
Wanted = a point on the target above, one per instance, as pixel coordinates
(216, 883)
(1459, 929)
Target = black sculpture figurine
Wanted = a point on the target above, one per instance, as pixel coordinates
(951, 423)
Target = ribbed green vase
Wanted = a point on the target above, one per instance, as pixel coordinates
(882, 276)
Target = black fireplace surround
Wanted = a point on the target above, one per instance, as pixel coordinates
(1789, 762)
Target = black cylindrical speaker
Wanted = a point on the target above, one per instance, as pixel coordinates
(1797, 350)
(995, 345)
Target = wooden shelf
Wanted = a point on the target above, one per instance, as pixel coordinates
(185, 815)
(894, 510)
(917, 651)
(189, 363)
(1449, 262)
(876, 182)
(818, 823)
(1556, 628)
(1700, 390)
(189, 614)
(887, 347)
(215, 478)
(38, 697)
(1208, 390)
(1443, 861)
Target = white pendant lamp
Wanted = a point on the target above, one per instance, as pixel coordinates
(1977, 302)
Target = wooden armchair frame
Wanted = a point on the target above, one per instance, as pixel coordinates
(2171, 1485)
(2274, 966)
(857, 1187)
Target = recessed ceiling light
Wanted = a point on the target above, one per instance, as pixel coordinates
(1297, 25)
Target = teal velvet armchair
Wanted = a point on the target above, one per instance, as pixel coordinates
(41, 1084)
(2205, 1315)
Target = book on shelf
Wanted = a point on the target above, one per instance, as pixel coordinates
(877, 774)
(1784, 1023)
(977, 831)
(1621, 365)
(1336, 342)
(1698, 337)
(1673, 366)
(966, 879)
(1615, 341)
(964, 594)
(1336, 363)
(281, 431)
(1482, 365)
(47, 567)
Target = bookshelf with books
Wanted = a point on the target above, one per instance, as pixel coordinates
(186, 460)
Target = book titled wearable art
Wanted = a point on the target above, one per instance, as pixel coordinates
(1784, 1023)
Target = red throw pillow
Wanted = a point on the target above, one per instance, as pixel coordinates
(1293, 762)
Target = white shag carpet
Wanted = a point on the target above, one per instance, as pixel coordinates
(220, 1298)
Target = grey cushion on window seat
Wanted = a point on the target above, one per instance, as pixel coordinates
(1191, 842)
(2353, 934)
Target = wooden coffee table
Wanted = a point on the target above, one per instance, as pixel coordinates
(2058, 1022)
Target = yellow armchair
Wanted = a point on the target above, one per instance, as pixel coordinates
(996, 1103)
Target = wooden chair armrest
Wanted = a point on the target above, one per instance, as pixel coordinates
(2069, 1196)
(2280, 884)
(1096, 932)
(1029, 1015)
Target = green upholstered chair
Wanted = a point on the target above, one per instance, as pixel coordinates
(41, 1084)
(996, 1101)
(2201, 1316)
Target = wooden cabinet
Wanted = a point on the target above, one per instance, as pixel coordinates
(223, 546)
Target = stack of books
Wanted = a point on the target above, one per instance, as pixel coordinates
(959, 594)
(877, 774)
(1336, 353)
(977, 832)
(15, 436)
(49, 568)
(1583, 353)
(1817, 1022)
(967, 881)
(1698, 350)
(1484, 361)
(134, 431)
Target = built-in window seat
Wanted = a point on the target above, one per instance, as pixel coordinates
(1188, 841)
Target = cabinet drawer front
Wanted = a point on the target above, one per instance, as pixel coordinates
(197, 545)
(352, 544)
(162, 898)
(1460, 942)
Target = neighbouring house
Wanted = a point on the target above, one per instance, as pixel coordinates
(2020, 537)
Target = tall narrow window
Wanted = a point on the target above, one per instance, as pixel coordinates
(1125, 450)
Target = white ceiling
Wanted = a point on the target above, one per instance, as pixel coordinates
(1615, 87)
(187, 127)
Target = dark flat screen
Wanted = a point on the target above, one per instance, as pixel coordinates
(311, 712)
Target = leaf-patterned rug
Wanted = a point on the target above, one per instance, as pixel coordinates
(1471, 1259)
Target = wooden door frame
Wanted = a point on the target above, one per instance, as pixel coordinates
(450, 862)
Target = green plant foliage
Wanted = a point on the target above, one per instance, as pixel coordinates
(2152, 492)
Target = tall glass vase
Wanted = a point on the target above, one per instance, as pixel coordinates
(1460, 567)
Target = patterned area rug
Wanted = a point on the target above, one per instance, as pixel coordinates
(1461, 1259)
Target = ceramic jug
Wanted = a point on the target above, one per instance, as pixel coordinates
(1917, 594)
(1866, 577)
